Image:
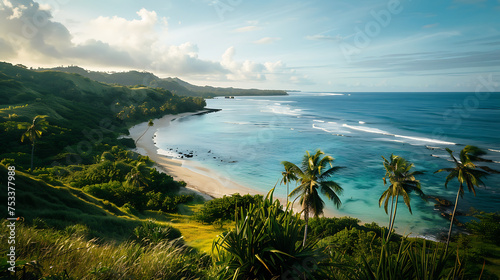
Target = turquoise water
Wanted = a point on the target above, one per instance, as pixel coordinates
(248, 139)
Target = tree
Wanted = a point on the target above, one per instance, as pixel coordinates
(403, 182)
(466, 173)
(287, 177)
(150, 124)
(138, 175)
(34, 131)
(313, 176)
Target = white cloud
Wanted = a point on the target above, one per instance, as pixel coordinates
(247, 70)
(246, 29)
(267, 40)
(29, 35)
(252, 71)
(337, 38)
(125, 34)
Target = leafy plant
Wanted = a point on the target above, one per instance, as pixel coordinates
(467, 173)
(314, 177)
(321, 227)
(151, 233)
(486, 226)
(402, 183)
(265, 244)
(224, 208)
(34, 131)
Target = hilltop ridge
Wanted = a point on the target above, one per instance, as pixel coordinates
(175, 85)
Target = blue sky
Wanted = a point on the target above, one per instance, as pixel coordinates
(305, 45)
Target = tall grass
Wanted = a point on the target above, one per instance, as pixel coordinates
(51, 253)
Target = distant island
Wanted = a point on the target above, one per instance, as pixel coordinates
(174, 85)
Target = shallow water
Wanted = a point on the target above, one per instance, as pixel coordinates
(248, 139)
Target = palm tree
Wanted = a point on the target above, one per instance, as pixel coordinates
(466, 173)
(34, 131)
(137, 176)
(314, 175)
(150, 124)
(288, 176)
(403, 182)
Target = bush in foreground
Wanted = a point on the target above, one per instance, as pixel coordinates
(266, 244)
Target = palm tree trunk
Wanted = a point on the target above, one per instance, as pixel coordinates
(452, 217)
(392, 209)
(393, 218)
(306, 218)
(32, 154)
(142, 135)
(287, 194)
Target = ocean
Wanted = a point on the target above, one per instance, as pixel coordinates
(250, 136)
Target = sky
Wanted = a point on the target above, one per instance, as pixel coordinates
(315, 45)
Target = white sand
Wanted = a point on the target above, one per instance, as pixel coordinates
(203, 181)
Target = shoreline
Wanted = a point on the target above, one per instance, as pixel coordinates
(198, 179)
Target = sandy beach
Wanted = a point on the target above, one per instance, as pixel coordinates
(199, 179)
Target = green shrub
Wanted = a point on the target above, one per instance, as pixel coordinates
(266, 244)
(352, 242)
(322, 227)
(151, 233)
(487, 226)
(225, 208)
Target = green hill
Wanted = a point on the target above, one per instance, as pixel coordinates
(83, 114)
(175, 85)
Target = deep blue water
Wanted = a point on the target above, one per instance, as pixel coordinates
(248, 139)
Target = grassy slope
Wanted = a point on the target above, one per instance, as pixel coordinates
(61, 206)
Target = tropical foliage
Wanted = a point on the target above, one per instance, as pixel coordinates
(467, 173)
(265, 244)
(224, 208)
(314, 177)
(402, 183)
(33, 132)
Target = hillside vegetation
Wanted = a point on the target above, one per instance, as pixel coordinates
(175, 85)
(83, 115)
